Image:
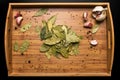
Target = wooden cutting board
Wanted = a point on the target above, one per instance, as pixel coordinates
(91, 61)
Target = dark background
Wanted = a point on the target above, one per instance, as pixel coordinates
(116, 20)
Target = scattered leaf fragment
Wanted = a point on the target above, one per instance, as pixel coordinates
(24, 46)
(40, 12)
(25, 27)
(16, 47)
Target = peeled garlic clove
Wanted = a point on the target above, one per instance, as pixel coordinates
(101, 17)
(93, 42)
(85, 14)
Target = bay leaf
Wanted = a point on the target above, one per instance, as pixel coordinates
(16, 47)
(25, 27)
(53, 40)
(48, 55)
(95, 28)
(24, 46)
(37, 29)
(72, 37)
(40, 12)
(44, 48)
(51, 22)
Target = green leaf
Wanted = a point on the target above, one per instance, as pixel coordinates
(44, 48)
(58, 39)
(40, 12)
(44, 23)
(59, 32)
(37, 29)
(48, 55)
(72, 37)
(75, 48)
(16, 47)
(24, 46)
(51, 22)
(53, 40)
(65, 29)
(44, 34)
(25, 27)
(64, 52)
(95, 28)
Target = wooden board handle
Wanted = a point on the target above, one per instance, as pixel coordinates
(109, 40)
(7, 39)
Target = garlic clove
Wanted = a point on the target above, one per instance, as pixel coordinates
(85, 15)
(19, 20)
(88, 24)
(93, 42)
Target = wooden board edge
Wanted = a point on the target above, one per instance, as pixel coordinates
(60, 74)
(112, 38)
(61, 3)
(6, 39)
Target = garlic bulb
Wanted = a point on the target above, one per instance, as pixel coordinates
(101, 17)
(98, 8)
(99, 13)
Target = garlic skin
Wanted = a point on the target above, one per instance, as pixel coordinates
(99, 13)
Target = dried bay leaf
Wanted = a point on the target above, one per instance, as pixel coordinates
(51, 22)
(24, 46)
(25, 27)
(44, 48)
(40, 12)
(16, 46)
(95, 28)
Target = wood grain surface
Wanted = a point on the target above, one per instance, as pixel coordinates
(89, 62)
